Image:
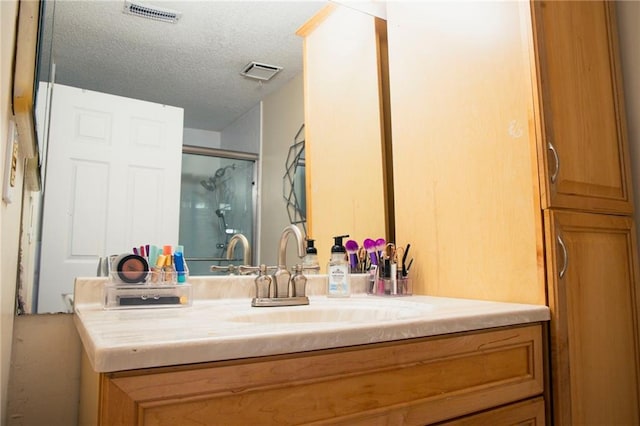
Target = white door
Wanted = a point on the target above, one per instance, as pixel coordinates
(112, 183)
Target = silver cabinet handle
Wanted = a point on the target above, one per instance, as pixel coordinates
(553, 150)
(565, 257)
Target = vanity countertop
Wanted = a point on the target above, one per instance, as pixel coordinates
(216, 328)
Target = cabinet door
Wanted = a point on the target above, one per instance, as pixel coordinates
(594, 302)
(586, 160)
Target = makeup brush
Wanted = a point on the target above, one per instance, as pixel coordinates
(370, 247)
(352, 249)
(380, 246)
(404, 260)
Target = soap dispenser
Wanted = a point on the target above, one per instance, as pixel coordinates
(310, 261)
(338, 270)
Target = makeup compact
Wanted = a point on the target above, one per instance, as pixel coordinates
(130, 269)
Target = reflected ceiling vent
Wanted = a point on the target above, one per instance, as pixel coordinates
(151, 12)
(258, 71)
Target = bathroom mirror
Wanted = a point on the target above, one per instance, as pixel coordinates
(211, 107)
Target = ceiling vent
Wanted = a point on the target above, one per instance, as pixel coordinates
(260, 71)
(151, 12)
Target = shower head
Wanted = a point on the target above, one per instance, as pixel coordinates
(209, 186)
(219, 213)
(222, 170)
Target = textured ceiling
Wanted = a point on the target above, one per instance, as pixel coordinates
(194, 64)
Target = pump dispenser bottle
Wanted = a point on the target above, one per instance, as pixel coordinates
(338, 270)
(310, 264)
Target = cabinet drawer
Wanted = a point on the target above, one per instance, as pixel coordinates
(529, 412)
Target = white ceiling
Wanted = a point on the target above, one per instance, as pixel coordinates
(194, 64)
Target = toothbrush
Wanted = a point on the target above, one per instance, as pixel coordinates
(370, 247)
(352, 249)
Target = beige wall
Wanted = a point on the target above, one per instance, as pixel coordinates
(9, 213)
(629, 30)
(282, 116)
(45, 371)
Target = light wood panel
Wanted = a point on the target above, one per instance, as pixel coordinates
(343, 128)
(526, 413)
(581, 90)
(410, 382)
(594, 308)
(465, 170)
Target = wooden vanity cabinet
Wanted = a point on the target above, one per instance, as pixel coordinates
(594, 294)
(583, 150)
(411, 382)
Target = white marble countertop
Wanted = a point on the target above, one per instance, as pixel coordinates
(221, 328)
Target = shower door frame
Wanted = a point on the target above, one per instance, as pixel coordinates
(234, 155)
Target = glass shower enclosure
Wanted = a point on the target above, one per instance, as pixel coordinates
(217, 201)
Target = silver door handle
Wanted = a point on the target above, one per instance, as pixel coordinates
(553, 150)
(565, 257)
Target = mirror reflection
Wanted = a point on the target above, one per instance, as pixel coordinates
(236, 132)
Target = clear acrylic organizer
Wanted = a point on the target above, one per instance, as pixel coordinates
(156, 288)
(389, 287)
(136, 296)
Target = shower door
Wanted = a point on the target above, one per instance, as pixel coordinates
(217, 201)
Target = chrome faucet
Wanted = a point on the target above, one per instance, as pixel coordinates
(230, 268)
(284, 238)
(247, 248)
(282, 276)
(286, 292)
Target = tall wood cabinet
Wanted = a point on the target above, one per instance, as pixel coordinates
(511, 180)
(594, 298)
(584, 151)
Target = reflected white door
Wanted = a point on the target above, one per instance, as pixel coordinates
(112, 183)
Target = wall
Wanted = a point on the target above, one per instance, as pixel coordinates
(629, 31)
(243, 134)
(45, 372)
(202, 138)
(9, 213)
(283, 114)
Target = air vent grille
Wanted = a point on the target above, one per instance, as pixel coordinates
(260, 71)
(151, 12)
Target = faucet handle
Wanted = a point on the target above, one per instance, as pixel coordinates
(261, 270)
(231, 269)
(249, 270)
(299, 282)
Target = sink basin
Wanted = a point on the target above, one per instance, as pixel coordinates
(336, 312)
